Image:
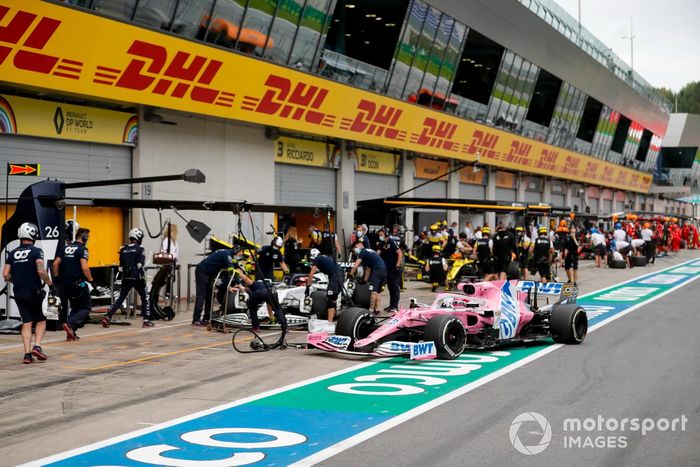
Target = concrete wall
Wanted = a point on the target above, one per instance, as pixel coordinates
(236, 159)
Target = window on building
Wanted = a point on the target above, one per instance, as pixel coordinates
(191, 18)
(618, 142)
(223, 27)
(315, 23)
(155, 13)
(478, 68)
(284, 30)
(367, 30)
(589, 120)
(544, 99)
(122, 9)
(644, 145)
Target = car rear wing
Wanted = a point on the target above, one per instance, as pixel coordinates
(548, 293)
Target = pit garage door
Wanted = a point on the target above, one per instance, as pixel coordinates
(436, 189)
(68, 161)
(505, 194)
(533, 197)
(469, 191)
(302, 185)
(371, 186)
(557, 200)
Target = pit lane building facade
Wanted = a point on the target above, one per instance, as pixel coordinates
(325, 102)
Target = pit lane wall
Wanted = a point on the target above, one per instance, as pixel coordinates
(123, 63)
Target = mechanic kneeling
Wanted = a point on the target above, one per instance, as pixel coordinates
(325, 265)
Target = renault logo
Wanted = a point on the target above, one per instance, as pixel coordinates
(58, 120)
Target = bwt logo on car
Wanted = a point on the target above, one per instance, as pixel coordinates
(339, 341)
(508, 323)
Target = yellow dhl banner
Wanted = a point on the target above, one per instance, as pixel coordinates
(306, 152)
(131, 64)
(378, 162)
(47, 119)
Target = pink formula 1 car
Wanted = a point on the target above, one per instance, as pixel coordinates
(487, 314)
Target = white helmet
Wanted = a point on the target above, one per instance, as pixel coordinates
(313, 254)
(28, 231)
(278, 242)
(136, 234)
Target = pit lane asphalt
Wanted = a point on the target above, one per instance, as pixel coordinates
(644, 364)
(121, 379)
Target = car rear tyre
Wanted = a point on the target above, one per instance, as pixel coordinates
(568, 324)
(361, 296)
(448, 334)
(356, 323)
(319, 299)
(639, 261)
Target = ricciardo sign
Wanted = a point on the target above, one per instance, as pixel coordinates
(130, 64)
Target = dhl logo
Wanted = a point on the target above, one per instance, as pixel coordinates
(27, 34)
(153, 69)
(375, 120)
(436, 134)
(519, 153)
(484, 143)
(548, 160)
(298, 101)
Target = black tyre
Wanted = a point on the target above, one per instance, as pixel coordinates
(513, 271)
(448, 334)
(639, 261)
(568, 324)
(617, 264)
(361, 296)
(318, 304)
(356, 323)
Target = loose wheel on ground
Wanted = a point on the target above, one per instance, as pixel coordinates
(639, 261)
(448, 334)
(568, 324)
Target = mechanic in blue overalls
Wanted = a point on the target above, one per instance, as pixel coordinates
(132, 258)
(25, 269)
(375, 272)
(326, 265)
(270, 256)
(204, 275)
(71, 266)
(393, 259)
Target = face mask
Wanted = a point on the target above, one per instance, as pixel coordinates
(357, 250)
(360, 234)
(238, 258)
(381, 239)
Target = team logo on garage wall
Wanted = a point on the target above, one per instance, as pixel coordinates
(58, 120)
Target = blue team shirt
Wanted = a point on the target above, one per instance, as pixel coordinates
(70, 269)
(371, 259)
(215, 262)
(25, 278)
(326, 265)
